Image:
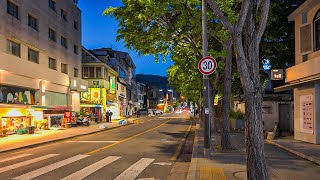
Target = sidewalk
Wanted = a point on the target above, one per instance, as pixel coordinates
(302, 149)
(14, 142)
(229, 165)
(232, 164)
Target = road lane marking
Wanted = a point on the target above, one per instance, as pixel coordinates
(126, 139)
(24, 163)
(92, 141)
(64, 140)
(14, 157)
(179, 149)
(133, 171)
(50, 167)
(163, 164)
(92, 168)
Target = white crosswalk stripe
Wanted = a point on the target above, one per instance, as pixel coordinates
(133, 171)
(50, 167)
(14, 157)
(24, 163)
(92, 168)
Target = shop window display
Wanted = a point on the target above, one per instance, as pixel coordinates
(15, 125)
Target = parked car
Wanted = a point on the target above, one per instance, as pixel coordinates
(142, 112)
(155, 112)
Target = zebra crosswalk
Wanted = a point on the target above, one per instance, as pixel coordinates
(130, 173)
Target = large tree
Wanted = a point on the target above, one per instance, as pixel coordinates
(246, 33)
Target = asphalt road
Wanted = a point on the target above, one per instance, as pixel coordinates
(138, 151)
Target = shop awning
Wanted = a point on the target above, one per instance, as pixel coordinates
(91, 105)
(59, 108)
(296, 84)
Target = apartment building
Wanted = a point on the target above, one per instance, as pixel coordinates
(124, 65)
(304, 76)
(102, 84)
(141, 94)
(40, 52)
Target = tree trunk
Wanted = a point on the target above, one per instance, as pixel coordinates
(225, 136)
(248, 66)
(213, 114)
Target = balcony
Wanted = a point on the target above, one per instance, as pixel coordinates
(304, 71)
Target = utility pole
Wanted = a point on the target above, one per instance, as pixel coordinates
(207, 128)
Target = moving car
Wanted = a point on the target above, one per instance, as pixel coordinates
(142, 112)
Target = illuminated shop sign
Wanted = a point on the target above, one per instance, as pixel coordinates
(277, 74)
(112, 84)
(15, 95)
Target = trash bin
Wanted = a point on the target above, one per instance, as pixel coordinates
(30, 129)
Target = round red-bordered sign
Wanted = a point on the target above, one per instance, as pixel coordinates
(207, 65)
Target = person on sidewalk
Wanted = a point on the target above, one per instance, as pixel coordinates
(110, 113)
(107, 115)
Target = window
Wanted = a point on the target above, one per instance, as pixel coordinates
(13, 48)
(75, 49)
(12, 9)
(154, 94)
(52, 5)
(52, 35)
(75, 25)
(105, 72)
(33, 55)
(52, 63)
(122, 74)
(85, 72)
(64, 42)
(33, 22)
(98, 72)
(64, 68)
(63, 14)
(76, 72)
(316, 24)
(91, 72)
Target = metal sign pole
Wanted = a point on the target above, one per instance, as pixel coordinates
(207, 131)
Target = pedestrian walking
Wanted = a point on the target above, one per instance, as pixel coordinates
(107, 115)
(110, 113)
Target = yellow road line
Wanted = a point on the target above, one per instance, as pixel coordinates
(178, 150)
(121, 141)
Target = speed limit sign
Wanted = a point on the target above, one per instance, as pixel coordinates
(207, 65)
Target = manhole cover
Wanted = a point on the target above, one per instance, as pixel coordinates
(240, 175)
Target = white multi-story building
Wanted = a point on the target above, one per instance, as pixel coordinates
(40, 57)
(142, 92)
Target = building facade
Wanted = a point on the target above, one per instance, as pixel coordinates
(304, 76)
(141, 94)
(122, 63)
(40, 52)
(102, 91)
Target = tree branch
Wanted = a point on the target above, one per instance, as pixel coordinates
(243, 15)
(263, 19)
(220, 14)
(215, 37)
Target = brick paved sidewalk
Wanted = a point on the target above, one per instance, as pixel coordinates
(13, 142)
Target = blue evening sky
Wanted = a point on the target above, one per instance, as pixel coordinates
(99, 31)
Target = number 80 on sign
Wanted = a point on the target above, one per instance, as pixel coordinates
(207, 65)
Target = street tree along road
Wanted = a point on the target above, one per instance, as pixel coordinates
(131, 152)
(246, 35)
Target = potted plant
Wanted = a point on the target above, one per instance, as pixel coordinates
(237, 119)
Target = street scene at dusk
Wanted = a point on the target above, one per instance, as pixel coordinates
(160, 90)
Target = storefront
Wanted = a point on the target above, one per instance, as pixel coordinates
(95, 111)
(16, 120)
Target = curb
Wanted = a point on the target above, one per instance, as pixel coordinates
(61, 139)
(192, 172)
(304, 156)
